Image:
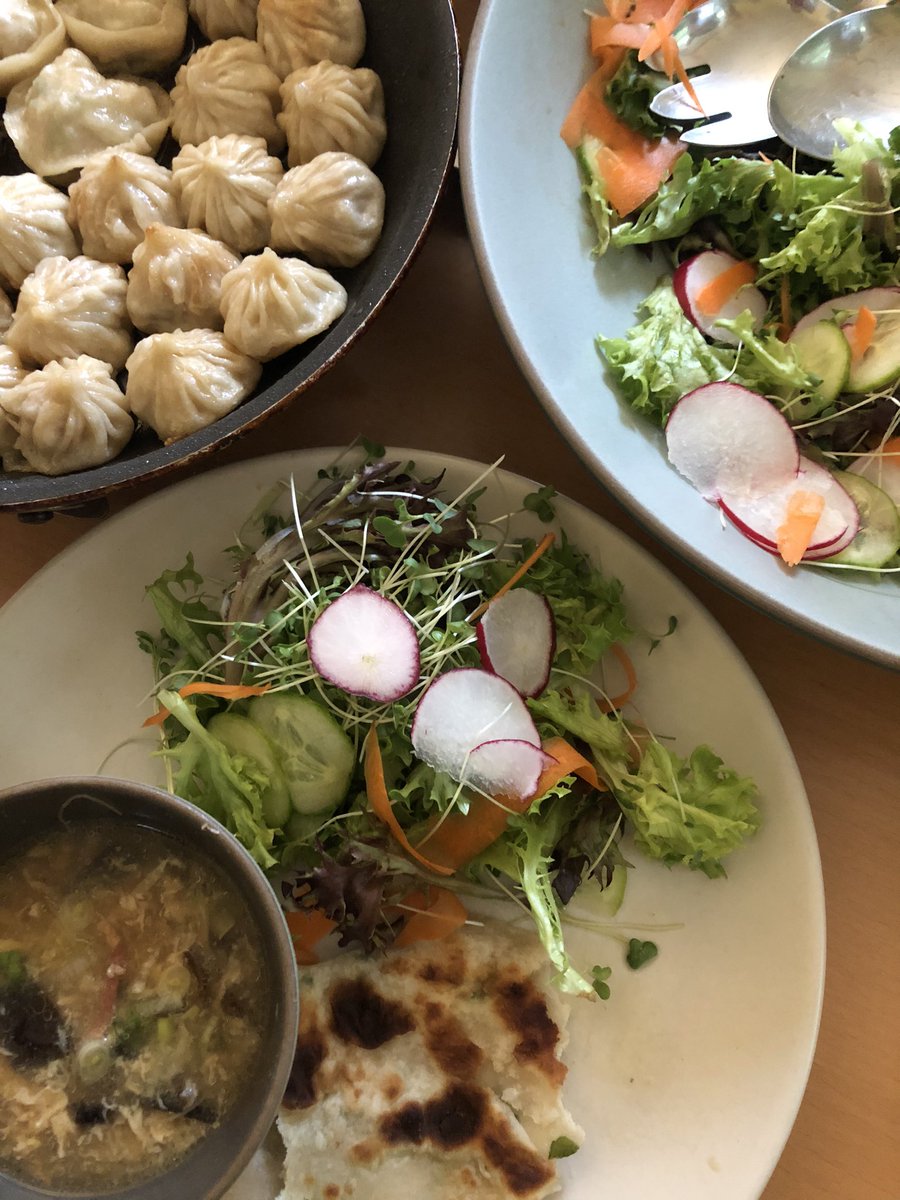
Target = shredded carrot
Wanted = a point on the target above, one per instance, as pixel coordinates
(860, 332)
(642, 12)
(567, 761)
(669, 51)
(787, 322)
(606, 32)
(891, 447)
(226, 691)
(631, 166)
(459, 837)
(715, 295)
(765, 158)
(618, 651)
(588, 113)
(541, 548)
(663, 28)
(631, 178)
(684, 78)
(440, 913)
(376, 790)
(795, 534)
(307, 927)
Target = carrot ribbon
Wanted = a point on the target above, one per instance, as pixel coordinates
(226, 691)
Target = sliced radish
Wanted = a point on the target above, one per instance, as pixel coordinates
(506, 767)
(366, 645)
(462, 709)
(876, 299)
(517, 640)
(725, 438)
(692, 277)
(759, 515)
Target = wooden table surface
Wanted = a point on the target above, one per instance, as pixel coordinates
(434, 372)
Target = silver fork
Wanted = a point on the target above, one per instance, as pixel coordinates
(744, 44)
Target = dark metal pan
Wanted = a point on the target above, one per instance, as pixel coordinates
(413, 45)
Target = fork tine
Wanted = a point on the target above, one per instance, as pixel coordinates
(674, 104)
(739, 130)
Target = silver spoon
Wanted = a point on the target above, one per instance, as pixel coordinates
(848, 68)
(740, 45)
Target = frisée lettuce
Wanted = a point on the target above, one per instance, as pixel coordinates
(246, 651)
(783, 283)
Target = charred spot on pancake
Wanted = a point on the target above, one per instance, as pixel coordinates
(449, 1120)
(391, 1087)
(362, 1016)
(364, 1152)
(332, 1191)
(301, 1086)
(449, 1044)
(407, 1124)
(523, 1010)
(456, 1117)
(450, 971)
(524, 1172)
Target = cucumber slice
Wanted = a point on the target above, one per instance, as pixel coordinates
(315, 754)
(880, 365)
(823, 351)
(591, 902)
(240, 736)
(878, 539)
(300, 826)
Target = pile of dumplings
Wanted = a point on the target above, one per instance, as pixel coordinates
(135, 292)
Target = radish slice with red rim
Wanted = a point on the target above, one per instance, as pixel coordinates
(876, 299)
(724, 438)
(759, 515)
(462, 709)
(517, 640)
(366, 645)
(506, 767)
(697, 273)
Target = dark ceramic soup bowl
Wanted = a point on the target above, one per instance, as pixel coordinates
(412, 44)
(56, 807)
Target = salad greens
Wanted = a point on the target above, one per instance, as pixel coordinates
(378, 522)
(813, 237)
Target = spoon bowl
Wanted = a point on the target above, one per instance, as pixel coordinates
(847, 68)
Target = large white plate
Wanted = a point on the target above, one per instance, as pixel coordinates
(689, 1078)
(526, 61)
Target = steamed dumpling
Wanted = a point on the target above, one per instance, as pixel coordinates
(271, 304)
(68, 416)
(298, 33)
(132, 35)
(227, 87)
(6, 315)
(225, 18)
(31, 34)
(69, 111)
(333, 107)
(11, 369)
(70, 307)
(33, 226)
(330, 210)
(116, 197)
(11, 373)
(176, 280)
(224, 186)
(183, 381)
